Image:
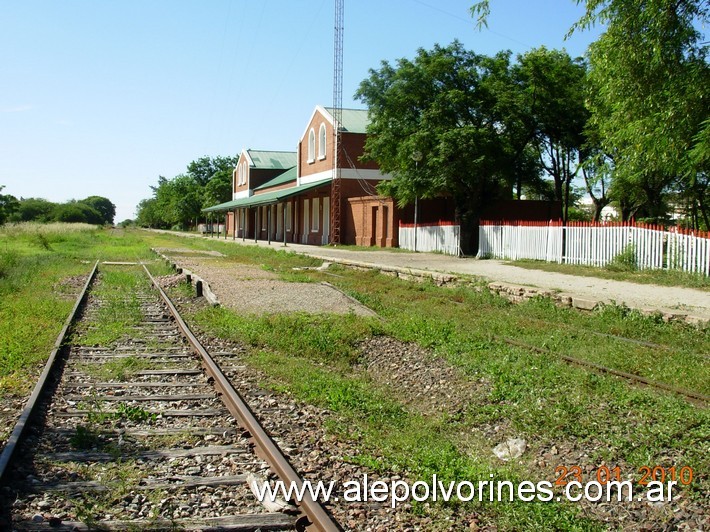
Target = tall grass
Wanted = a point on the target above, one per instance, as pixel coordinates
(36, 261)
(34, 228)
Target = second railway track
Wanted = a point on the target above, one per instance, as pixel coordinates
(143, 435)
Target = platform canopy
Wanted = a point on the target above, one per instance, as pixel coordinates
(267, 198)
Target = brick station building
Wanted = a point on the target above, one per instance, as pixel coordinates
(286, 196)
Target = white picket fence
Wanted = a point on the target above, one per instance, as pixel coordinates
(596, 245)
(443, 238)
(210, 228)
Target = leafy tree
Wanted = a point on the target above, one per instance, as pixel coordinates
(440, 108)
(649, 79)
(147, 214)
(8, 205)
(551, 87)
(699, 179)
(205, 168)
(34, 209)
(106, 209)
(218, 189)
(178, 202)
(76, 212)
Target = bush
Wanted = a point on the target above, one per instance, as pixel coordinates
(624, 261)
(77, 213)
(8, 260)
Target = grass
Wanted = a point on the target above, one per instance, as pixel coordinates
(119, 370)
(36, 263)
(621, 272)
(532, 395)
(120, 308)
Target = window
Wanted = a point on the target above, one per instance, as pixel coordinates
(244, 173)
(311, 146)
(315, 215)
(264, 214)
(239, 176)
(306, 204)
(321, 142)
(288, 217)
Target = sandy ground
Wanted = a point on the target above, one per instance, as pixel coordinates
(252, 290)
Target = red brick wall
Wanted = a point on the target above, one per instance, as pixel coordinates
(235, 175)
(352, 144)
(370, 221)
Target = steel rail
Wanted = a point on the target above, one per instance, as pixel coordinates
(603, 369)
(234, 402)
(27, 412)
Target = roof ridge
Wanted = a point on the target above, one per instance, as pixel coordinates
(273, 151)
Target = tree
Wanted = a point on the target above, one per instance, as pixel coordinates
(76, 212)
(106, 209)
(551, 86)
(147, 215)
(218, 189)
(699, 179)
(205, 168)
(33, 209)
(8, 206)
(649, 79)
(178, 201)
(442, 106)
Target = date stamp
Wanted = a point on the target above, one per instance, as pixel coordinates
(642, 476)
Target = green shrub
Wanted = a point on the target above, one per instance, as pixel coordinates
(624, 261)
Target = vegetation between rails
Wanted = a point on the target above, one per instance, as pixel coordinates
(42, 269)
(530, 395)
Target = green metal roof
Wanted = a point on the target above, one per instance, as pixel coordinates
(267, 198)
(288, 175)
(354, 120)
(273, 159)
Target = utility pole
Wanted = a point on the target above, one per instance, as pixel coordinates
(335, 199)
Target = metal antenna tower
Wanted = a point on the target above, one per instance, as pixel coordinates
(337, 121)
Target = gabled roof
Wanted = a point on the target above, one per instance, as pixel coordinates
(354, 120)
(271, 160)
(281, 179)
(267, 198)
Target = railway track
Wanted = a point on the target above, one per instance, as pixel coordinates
(693, 396)
(146, 434)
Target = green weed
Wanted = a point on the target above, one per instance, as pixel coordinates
(625, 261)
(120, 369)
(670, 277)
(533, 395)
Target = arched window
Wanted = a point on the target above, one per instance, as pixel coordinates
(311, 146)
(244, 173)
(239, 176)
(321, 142)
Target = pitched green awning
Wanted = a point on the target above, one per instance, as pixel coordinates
(281, 179)
(267, 198)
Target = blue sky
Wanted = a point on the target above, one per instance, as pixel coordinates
(101, 97)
